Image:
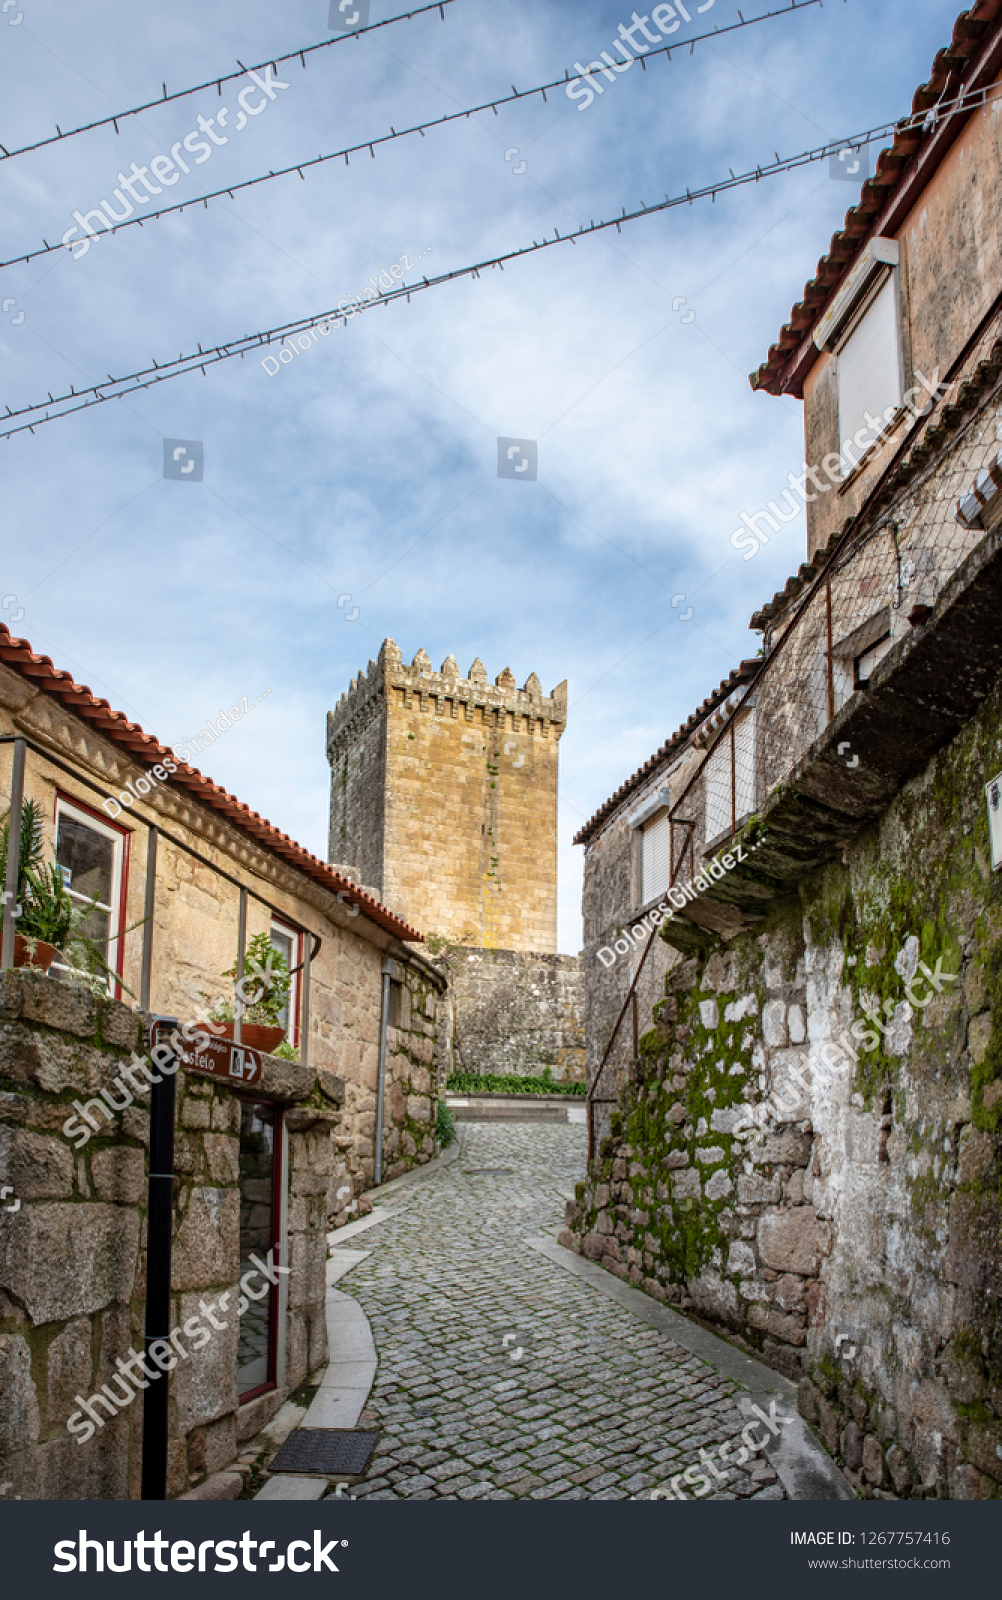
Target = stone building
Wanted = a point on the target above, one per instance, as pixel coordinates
(73, 1258)
(181, 873)
(444, 803)
(627, 870)
(806, 1149)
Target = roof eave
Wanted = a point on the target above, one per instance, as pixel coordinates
(39, 670)
(903, 171)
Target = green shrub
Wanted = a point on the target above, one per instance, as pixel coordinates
(445, 1128)
(510, 1083)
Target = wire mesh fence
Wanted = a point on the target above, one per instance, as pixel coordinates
(848, 607)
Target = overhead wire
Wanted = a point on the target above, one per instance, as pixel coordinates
(217, 82)
(421, 128)
(146, 378)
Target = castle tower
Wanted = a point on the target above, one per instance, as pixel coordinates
(444, 798)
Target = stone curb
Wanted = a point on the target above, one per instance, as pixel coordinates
(802, 1465)
(221, 1486)
(345, 1385)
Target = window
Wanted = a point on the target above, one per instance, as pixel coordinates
(393, 1008)
(869, 371)
(90, 855)
(856, 654)
(720, 813)
(287, 942)
(654, 839)
(260, 1146)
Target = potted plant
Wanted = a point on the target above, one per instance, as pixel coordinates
(32, 947)
(50, 921)
(263, 993)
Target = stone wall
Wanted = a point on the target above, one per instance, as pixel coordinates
(513, 1012)
(611, 904)
(852, 1237)
(72, 1253)
(196, 909)
(415, 1068)
(444, 797)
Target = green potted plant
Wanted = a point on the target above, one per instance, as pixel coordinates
(49, 920)
(263, 988)
(32, 946)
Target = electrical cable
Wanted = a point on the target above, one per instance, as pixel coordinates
(387, 138)
(227, 77)
(148, 376)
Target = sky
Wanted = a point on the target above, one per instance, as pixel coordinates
(354, 494)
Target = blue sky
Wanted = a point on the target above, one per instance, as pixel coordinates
(368, 467)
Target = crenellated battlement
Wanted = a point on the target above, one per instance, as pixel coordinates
(444, 797)
(416, 681)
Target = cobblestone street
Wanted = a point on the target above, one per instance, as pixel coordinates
(501, 1375)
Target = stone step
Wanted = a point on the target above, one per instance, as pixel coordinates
(517, 1107)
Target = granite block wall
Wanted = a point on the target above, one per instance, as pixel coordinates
(73, 1247)
(809, 1151)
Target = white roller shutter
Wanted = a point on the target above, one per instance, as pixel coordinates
(654, 840)
(869, 369)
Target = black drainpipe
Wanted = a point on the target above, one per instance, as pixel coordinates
(388, 967)
(159, 1228)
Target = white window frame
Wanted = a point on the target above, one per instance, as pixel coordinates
(891, 391)
(66, 808)
(296, 938)
(655, 854)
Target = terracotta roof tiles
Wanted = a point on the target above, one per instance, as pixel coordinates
(789, 359)
(17, 653)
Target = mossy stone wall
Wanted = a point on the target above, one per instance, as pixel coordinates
(851, 1236)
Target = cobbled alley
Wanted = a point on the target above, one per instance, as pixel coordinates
(502, 1375)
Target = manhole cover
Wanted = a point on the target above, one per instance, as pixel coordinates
(326, 1451)
(488, 1172)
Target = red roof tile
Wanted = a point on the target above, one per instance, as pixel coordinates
(17, 653)
(972, 59)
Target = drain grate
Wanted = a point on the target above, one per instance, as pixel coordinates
(488, 1172)
(326, 1451)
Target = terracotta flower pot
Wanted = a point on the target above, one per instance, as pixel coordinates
(43, 958)
(256, 1036)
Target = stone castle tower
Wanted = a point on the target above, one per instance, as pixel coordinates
(444, 798)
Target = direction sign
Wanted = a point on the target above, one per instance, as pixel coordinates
(220, 1058)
